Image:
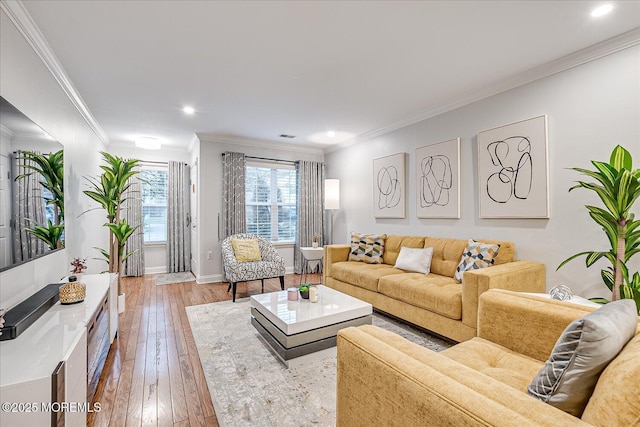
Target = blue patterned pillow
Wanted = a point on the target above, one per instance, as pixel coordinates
(475, 256)
(368, 248)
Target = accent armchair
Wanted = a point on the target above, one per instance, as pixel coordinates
(270, 266)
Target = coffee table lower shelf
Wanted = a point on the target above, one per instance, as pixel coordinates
(290, 349)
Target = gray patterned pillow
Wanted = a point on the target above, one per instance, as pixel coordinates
(367, 247)
(582, 352)
(475, 256)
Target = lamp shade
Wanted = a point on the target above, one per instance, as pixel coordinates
(332, 194)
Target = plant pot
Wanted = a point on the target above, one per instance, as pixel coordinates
(314, 244)
(121, 303)
(304, 294)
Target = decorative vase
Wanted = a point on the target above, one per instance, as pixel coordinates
(314, 244)
(304, 294)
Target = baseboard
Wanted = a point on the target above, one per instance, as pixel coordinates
(212, 278)
(155, 270)
(216, 278)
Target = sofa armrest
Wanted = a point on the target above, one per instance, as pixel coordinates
(383, 379)
(522, 276)
(333, 253)
(526, 324)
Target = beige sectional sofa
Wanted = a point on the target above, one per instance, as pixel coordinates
(385, 380)
(435, 301)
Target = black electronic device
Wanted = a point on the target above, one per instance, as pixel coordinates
(20, 317)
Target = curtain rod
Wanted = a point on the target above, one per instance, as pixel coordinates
(293, 162)
(153, 163)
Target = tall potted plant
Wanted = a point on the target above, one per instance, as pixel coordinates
(108, 190)
(618, 187)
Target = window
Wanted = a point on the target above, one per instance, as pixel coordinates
(154, 203)
(270, 197)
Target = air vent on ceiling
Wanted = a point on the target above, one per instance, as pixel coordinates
(287, 136)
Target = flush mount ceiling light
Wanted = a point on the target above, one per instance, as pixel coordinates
(188, 110)
(284, 135)
(331, 134)
(602, 10)
(148, 143)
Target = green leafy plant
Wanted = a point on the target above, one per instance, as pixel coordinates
(618, 187)
(108, 190)
(50, 167)
(50, 234)
(304, 287)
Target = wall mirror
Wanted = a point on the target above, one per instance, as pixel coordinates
(31, 189)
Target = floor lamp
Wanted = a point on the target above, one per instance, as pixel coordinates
(331, 201)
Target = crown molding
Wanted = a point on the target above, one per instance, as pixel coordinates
(25, 24)
(615, 44)
(5, 131)
(192, 145)
(257, 143)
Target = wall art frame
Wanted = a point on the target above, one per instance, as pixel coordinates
(438, 180)
(513, 170)
(389, 186)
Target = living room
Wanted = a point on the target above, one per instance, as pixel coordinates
(590, 97)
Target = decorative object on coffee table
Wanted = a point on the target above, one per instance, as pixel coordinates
(561, 293)
(304, 291)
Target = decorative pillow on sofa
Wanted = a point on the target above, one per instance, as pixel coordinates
(367, 247)
(414, 259)
(476, 256)
(246, 250)
(582, 352)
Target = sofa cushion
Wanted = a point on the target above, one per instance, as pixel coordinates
(582, 352)
(414, 259)
(506, 253)
(393, 244)
(367, 247)
(506, 366)
(617, 388)
(476, 255)
(439, 294)
(446, 254)
(361, 274)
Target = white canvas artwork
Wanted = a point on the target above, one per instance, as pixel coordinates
(513, 174)
(389, 186)
(438, 180)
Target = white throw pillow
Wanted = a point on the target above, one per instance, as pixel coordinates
(414, 259)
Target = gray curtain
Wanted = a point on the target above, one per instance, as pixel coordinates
(132, 212)
(29, 210)
(310, 207)
(234, 210)
(178, 218)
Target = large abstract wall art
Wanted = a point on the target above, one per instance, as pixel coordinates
(389, 186)
(513, 172)
(438, 180)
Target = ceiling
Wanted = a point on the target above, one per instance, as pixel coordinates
(255, 70)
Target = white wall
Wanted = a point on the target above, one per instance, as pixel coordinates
(589, 109)
(27, 83)
(155, 254)
(210, 196)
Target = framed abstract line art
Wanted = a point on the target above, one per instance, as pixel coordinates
(389, 186)
(438, 180)
(513, 172)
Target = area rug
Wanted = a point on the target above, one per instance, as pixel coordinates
(168, 278)
(250, 387)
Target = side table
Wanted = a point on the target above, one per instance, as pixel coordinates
(311, 259)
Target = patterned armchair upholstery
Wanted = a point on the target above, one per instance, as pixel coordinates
(272, 264)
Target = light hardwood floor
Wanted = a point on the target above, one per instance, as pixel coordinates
(152, 375)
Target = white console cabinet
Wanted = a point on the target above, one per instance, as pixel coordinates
(46, 366)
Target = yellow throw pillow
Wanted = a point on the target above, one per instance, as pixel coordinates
(246, 250)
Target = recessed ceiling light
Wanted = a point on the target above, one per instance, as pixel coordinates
(188, 110)
(148, 143)
(602, 10)
(331, 134)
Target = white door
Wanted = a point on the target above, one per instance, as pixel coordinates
(195, 252)
(5, 212)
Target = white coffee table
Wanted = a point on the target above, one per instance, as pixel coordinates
(295, 329)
